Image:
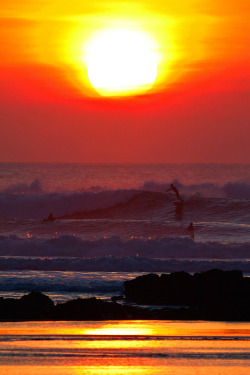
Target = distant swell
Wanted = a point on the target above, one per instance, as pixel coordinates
(167, 247)
(126, 264)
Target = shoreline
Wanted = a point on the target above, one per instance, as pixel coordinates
(213, 295)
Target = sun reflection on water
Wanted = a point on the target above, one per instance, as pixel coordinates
(124, 347)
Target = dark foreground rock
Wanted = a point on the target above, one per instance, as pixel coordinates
(212, 295)
(34, 306)
(37, 307)
(96, 309)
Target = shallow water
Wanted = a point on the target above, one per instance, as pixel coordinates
(125, 347)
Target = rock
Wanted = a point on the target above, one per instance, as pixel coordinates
(117, 298)
(215, 294)
(8, 309)
(37, 299)
(35, 305)
(95, 309)
(211, 295)
(143, 289)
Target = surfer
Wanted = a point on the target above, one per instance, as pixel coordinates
(191, 230)
(176, 191)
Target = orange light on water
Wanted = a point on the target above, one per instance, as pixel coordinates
(125, 355)
(120, 329)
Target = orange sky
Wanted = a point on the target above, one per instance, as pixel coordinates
(197, 111)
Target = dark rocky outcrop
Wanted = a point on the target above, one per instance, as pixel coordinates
(9, 309)
(37, 306)
(96, 309)
(211, 295)
(34, 306)
(172, 289)
(215, 294)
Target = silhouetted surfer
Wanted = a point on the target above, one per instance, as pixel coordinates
(174, 188)
(191, 230)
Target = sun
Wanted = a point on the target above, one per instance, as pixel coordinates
(121, 62)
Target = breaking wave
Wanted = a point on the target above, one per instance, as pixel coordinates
(30, 201)
(34, 187)
(39, 205)
(71, 282)
(234, 190)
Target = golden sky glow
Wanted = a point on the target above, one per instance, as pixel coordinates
(55, 34)
(199, 48)
(187, 40)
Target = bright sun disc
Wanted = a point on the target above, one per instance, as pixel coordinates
(121, 62)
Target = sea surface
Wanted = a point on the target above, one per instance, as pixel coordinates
(125, 348)
(111, 224)
(114, 222)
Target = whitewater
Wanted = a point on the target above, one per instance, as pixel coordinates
(113, 222)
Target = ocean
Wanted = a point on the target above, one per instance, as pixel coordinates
(125, 347)
(114, 222)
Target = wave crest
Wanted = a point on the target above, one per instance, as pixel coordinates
(30, 201)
